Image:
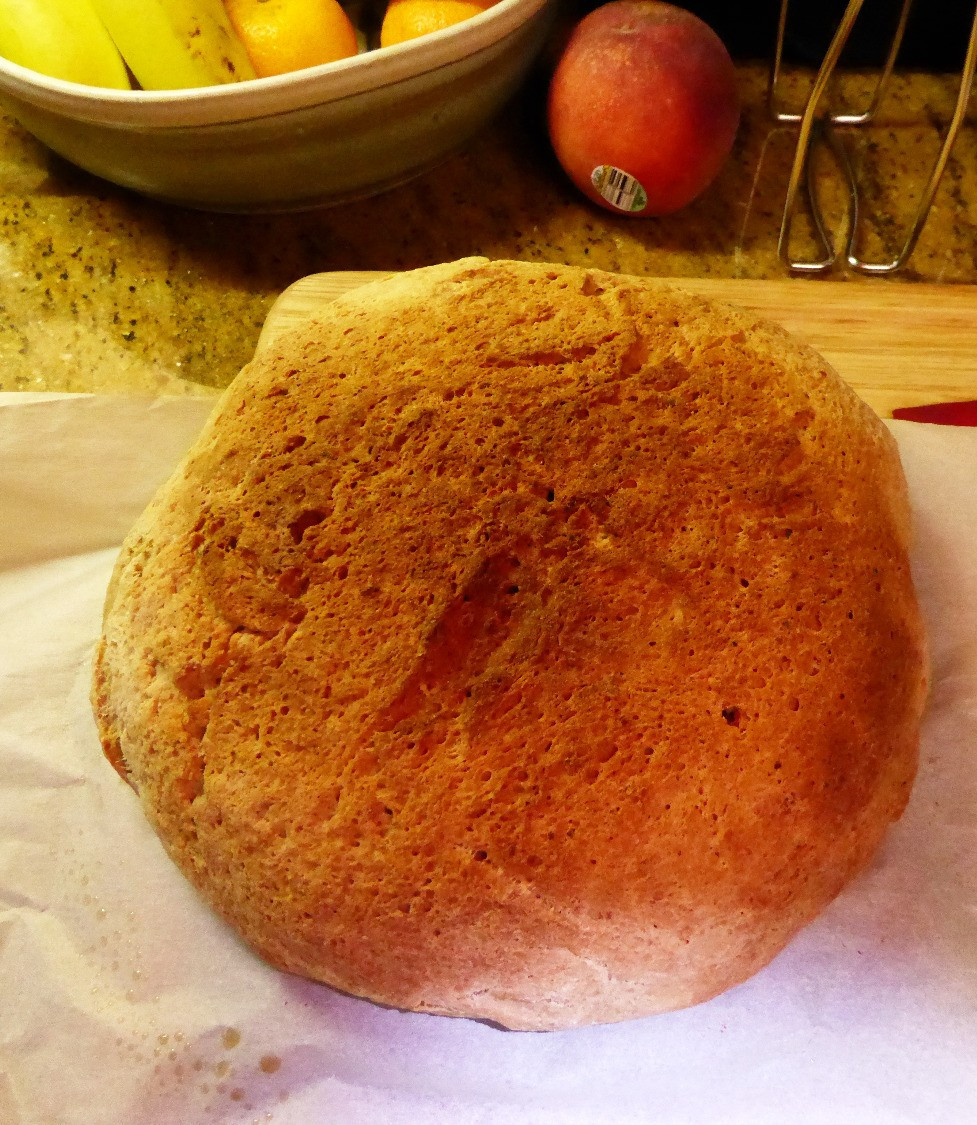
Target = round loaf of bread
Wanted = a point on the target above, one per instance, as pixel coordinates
(522, 642)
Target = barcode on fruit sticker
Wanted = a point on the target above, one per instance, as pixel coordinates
(618, 188)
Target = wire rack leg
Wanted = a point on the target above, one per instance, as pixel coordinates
(926, 200)
(802, 154)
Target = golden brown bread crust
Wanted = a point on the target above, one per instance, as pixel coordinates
(522, 642)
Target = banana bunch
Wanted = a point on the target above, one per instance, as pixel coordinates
(166, 44)
(175, 44)
(61, 38)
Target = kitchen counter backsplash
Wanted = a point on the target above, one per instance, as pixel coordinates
(102, 290)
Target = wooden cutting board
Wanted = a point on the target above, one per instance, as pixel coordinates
(898, 344)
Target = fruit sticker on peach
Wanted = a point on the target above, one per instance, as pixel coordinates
(618, 188)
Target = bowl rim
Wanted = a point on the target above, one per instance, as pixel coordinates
(265, 97)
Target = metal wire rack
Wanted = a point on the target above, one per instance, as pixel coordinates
(817, 126)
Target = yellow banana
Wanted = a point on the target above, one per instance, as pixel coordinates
(176, 44)
(63, 39)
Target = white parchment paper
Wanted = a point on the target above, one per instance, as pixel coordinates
(123, 1000)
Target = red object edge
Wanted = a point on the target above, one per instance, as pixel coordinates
(940, 413)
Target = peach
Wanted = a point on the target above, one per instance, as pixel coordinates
(643, 106)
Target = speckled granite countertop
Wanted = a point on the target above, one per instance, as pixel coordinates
(101, 290)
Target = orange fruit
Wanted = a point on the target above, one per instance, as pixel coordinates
(285, 35)
(408, 19)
